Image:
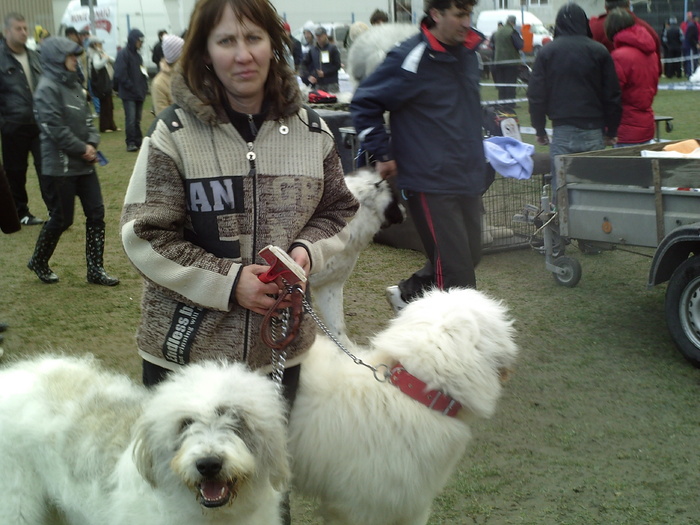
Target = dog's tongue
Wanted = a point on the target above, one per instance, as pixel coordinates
(213, 491)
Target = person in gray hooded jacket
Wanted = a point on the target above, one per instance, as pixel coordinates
(68, 156)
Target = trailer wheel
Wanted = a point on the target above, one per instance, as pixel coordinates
(683, 309)
(571, 271)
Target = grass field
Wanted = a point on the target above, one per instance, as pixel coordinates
(599, 425)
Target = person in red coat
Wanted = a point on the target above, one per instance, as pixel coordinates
(637, 65)
(597, 25)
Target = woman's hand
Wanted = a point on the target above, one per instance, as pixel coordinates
(255, 295)
(90, 154)
(301, 257)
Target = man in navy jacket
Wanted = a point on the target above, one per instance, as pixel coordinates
(430, 86)
(131, 81)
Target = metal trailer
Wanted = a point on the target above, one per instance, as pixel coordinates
(618, 197)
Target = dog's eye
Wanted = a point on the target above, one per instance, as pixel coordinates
(185, 424)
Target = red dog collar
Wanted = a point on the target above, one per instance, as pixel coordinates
(418, 390)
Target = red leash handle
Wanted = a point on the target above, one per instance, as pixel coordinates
(281, 265)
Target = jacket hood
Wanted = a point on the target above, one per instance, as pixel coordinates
(54, 51)
(572, 21)
(183, 97)
(635, 36)
(134, 36)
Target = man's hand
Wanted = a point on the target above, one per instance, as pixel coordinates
(543, 140)
(610, 141)
(386, 169)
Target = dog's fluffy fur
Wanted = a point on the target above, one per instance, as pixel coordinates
(378, 208)
(371, 454)
(370, 48)
(206, 446)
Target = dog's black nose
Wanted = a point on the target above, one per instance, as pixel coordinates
(209, 467)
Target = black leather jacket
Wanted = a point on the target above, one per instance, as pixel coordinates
(16, 106)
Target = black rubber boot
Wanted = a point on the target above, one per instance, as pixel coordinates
(39, 263)
(94, 250)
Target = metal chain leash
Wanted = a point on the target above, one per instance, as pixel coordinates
(282, 329)
(381, 372)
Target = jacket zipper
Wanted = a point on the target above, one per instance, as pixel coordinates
(252, 172)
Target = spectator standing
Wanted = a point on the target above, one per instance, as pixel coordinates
(20, 69)
(294, 55)
(71, 33)
(573, 82)
(597, 25)
(323, 63)
(68, 148)
(101, 72)
(160, 87)
(636, 64)
(308, 42)
(158, 54)
(430, 85)
(673, 40)
(378, 17)
(690, 46)
(9, 222)
(507, 43)
(131, 81)
(688, 20)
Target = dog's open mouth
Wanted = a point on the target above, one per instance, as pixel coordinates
(215, 493)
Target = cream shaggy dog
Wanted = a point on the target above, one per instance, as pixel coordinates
(368, 452)
(378, 209)
(207, 446)
(370, 48)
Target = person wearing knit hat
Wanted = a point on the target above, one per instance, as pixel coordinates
(160, 87)
(172, 48)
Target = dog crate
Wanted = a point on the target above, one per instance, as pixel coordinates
(506, 206)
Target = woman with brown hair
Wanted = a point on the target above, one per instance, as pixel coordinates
(234, 165)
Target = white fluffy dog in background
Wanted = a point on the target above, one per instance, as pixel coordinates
(206, 446)
(367, 451)
(370, 48)
(378, 208)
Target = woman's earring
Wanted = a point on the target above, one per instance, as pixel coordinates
(208, 67)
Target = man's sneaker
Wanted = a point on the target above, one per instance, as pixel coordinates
(393, 295)
(132, 147)
(30, 220)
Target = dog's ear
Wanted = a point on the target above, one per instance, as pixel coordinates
(273, 448)
(143, 452)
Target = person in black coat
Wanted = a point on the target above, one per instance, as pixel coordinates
(672, 39)
(131, 81)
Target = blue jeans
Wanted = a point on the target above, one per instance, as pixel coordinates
(570, 139)
(132, 116)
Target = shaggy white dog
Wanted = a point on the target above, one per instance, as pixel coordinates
(207, 446)
(370, 48)
(378, 209)
(367, 451)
